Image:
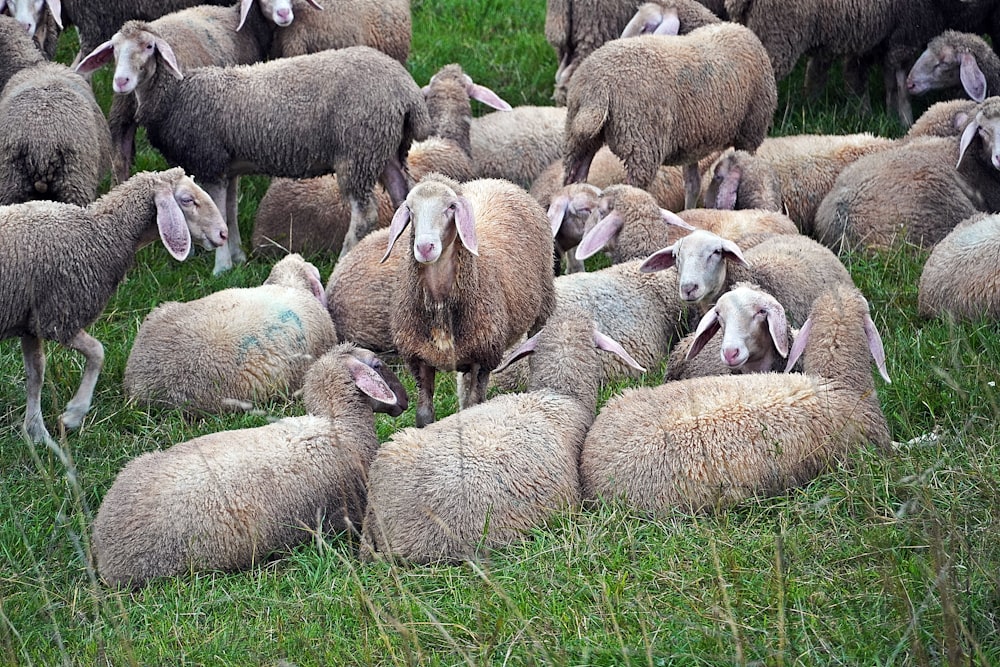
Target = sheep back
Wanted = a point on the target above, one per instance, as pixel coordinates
(518, 144)
(961, 277)
(381, 24)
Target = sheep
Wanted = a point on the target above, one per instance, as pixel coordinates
(56, 144)
(568, 212)
(517, 144)
(793, 268)
(961, 277)
(708, 443)
(227, 500)
(310, 215)
(487, 475)
(460, 304)
(41, 25)
(621, 95)
(17, 51)
(747, 226)
(220, 122)
(235, 348)
(789, 174)
(380, 24)
(955, 59)
(943, 119)
(77, 258)
(576, 28)
(914, 192)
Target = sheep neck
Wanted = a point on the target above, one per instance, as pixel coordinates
(451, 112)
(439, 279)
(130, 211)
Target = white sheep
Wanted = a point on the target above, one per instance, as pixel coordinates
(77, 258)
(961, 277)
(227, 500)
(381, 24)
(710, 442)
(235, 348)
(517, 144)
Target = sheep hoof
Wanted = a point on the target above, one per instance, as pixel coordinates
(237, 255)
(73, 417)
(35, 429)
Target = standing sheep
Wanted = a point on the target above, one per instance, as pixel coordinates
(227, 500)
(220, 122)
(480, 277)
(77, 258)
(669, 100)
(41, 19)
(380, 24)
(961, 277)
(711, 442)
(489, 474)
(954, 59)
(235, 348)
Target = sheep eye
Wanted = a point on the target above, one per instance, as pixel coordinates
(187, 201)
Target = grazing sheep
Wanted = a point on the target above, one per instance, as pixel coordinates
(380, 24)
(568, 212)
(943, 119)
(789, 174)
(55, 143)
(645, 97)
(708, 443)
(793, 268)
(480, 277)
(485, 476)
(914, 192)
(518, 144)
(220, 122)
(309, 215)
(77, 258)
(41, 19)
(235, 348)
(961, 277)
(954, 59)
(227, 500)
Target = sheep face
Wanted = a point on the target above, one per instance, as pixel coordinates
(439, 214)
(934, 69)
(700, 258)
(279, 12)
(29, 12)
(202, 217)
(986, 126)
(134, 49)
(754, 330)
(569, 211)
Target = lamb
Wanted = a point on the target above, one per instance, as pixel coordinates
(222, 122)
(227, 500)
(380, 24)
(489, 474)
(78, 256)
(793, 268)
(517, 144)
(961, 277)
(914, 192)
(41, 25)
(620, 96)
(233, 349)
(460, 304)
(55, 144)
(943, 119)
(955, 59)
(309, 214)
(709, 443)
(789, 174)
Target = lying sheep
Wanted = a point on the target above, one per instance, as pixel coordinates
(380, 24)
(746, 227)
(486, 476)
(55, 143)
(42, 21)
(789, 174)
(220, 122)
(914, 192)
(961, 277)
(618, 96)
(78, 256)
(227, 500)
(956, 59)
(943, 119)
(235, 348)
(517, 144)
(711, 442)
(309, 215)
(480, 277)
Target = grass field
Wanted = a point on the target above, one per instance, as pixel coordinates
(888, 561)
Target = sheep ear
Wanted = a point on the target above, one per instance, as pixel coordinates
(174, 232)
(487, 97)
(400, 219)
(777, 326)
(670, 23)
(708, 326)
(465, 222)
(97, 58)
(315, 5)
(557, 211)
(168, 56)
(600, 235)
(609, 344)
(316, 287)
(55, 8)
(967, 136)
(672, 218)
(659, 260)
(973, 79)
(245, 6)
(725, 198)
(522, 350)
(875, 347)
(732, 252)
(799, 345)
(370, 382)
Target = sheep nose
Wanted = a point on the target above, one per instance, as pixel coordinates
(121, 82)
(731, 354)
(688, 290)
(284, 14)
(28, 27)
(224, 235)
(425, 249)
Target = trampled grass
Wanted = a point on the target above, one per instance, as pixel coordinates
(887, 561)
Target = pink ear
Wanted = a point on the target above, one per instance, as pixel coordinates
(522, 350)
(728, 188)
(370, 382)
(672, 218)
(600, 235)
(670, 23)
(487, 97)
(315, 4)
(609, 344)
(973, 79)
(168, 56)
(777, 326)
(55, 8)
(170, 222)
(245, 6)
(967, 136)
(708, 326)
(400, 219)
(799, 344)
(875, 347)
(732, 252)
(659, 260)
(316, 286)
(557, 211)
(466, 224)
(97, 58)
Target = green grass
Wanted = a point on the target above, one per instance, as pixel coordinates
(888, 561)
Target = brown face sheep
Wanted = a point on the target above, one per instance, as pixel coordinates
(956, 59)
(227, 500)
(961, 277)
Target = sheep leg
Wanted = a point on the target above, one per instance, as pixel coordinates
(364, 218)
(903, 106)
(577, 167)
(93, 352)
(472, 386)
(219, 192)
(692, 185)
(424, 374)
(232, 208)
(34, 370)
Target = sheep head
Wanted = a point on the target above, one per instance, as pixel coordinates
(439, 214)
(700, 258)
(945, 64)
(29, 12)
(278, 12)
(754, 327)
(185, 212)
(134, 49)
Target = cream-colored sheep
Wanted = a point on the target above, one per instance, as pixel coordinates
(962, 274)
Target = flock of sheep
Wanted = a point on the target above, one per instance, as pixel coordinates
(461, 244)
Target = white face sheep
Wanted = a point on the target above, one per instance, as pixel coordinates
(31, 13)
(700, 258)
(79, 255)
(568, 214)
